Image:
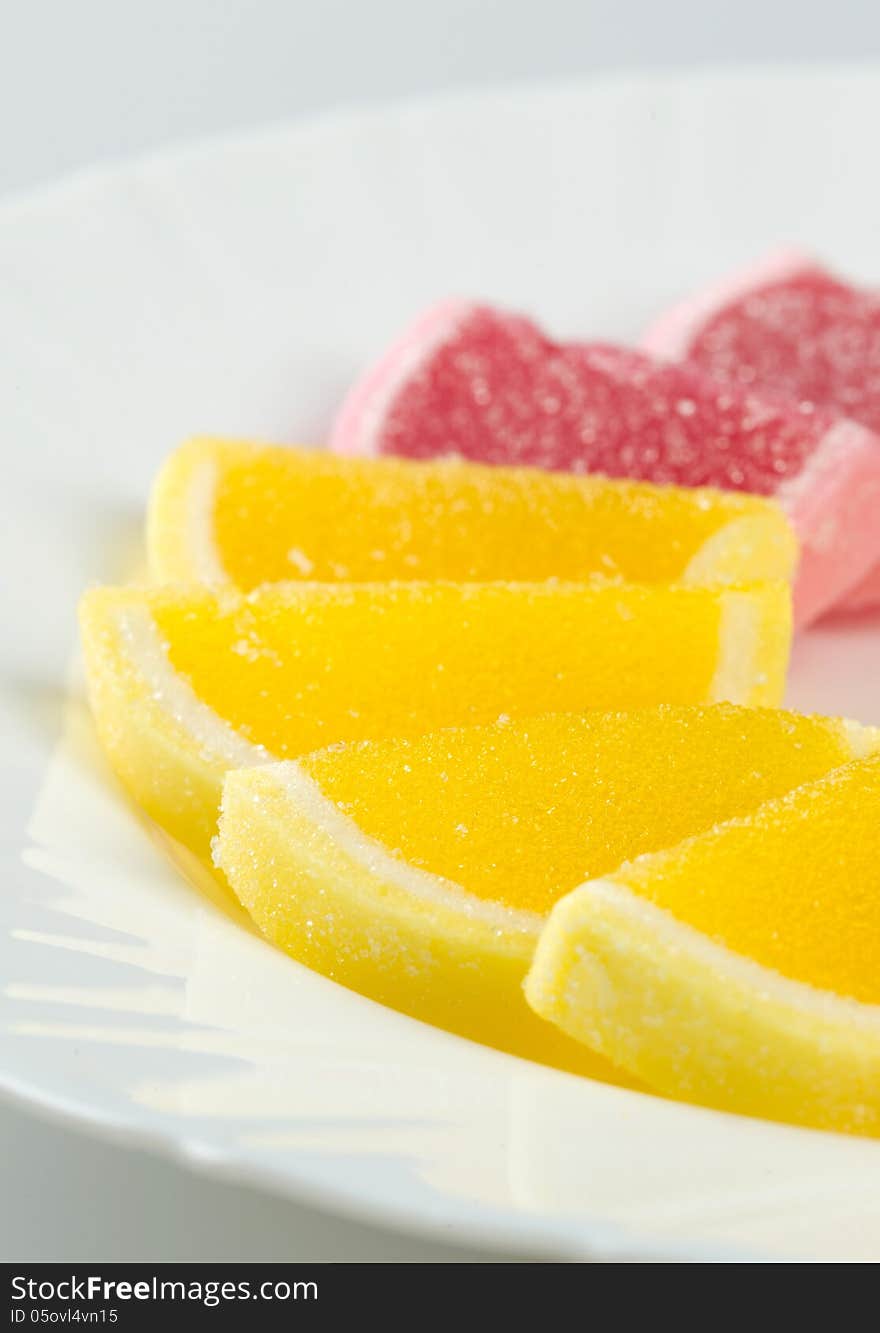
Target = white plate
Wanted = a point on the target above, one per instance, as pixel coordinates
(237, 287)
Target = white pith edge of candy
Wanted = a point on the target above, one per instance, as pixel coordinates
(670, 336)
(701, 567)
(738, 642)
(199, 526)
(309, 800)
(681, 939)
(147, 652)
(367, 402)
(863, 741)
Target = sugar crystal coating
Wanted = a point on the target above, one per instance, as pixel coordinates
(811, 339)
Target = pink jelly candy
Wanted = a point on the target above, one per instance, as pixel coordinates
(788, 328)
(489, 386)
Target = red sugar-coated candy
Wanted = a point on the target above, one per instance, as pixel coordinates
(491, 387)
(789, 329)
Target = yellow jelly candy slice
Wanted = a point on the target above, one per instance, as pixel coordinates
(224, 511)
(420, 871)
(740, 968)
(186, 683)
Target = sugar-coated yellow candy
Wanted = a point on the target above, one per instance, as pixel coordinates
(228, 511)
(421, 871)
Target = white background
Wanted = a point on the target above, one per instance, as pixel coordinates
(88, 79)
(84, 81)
